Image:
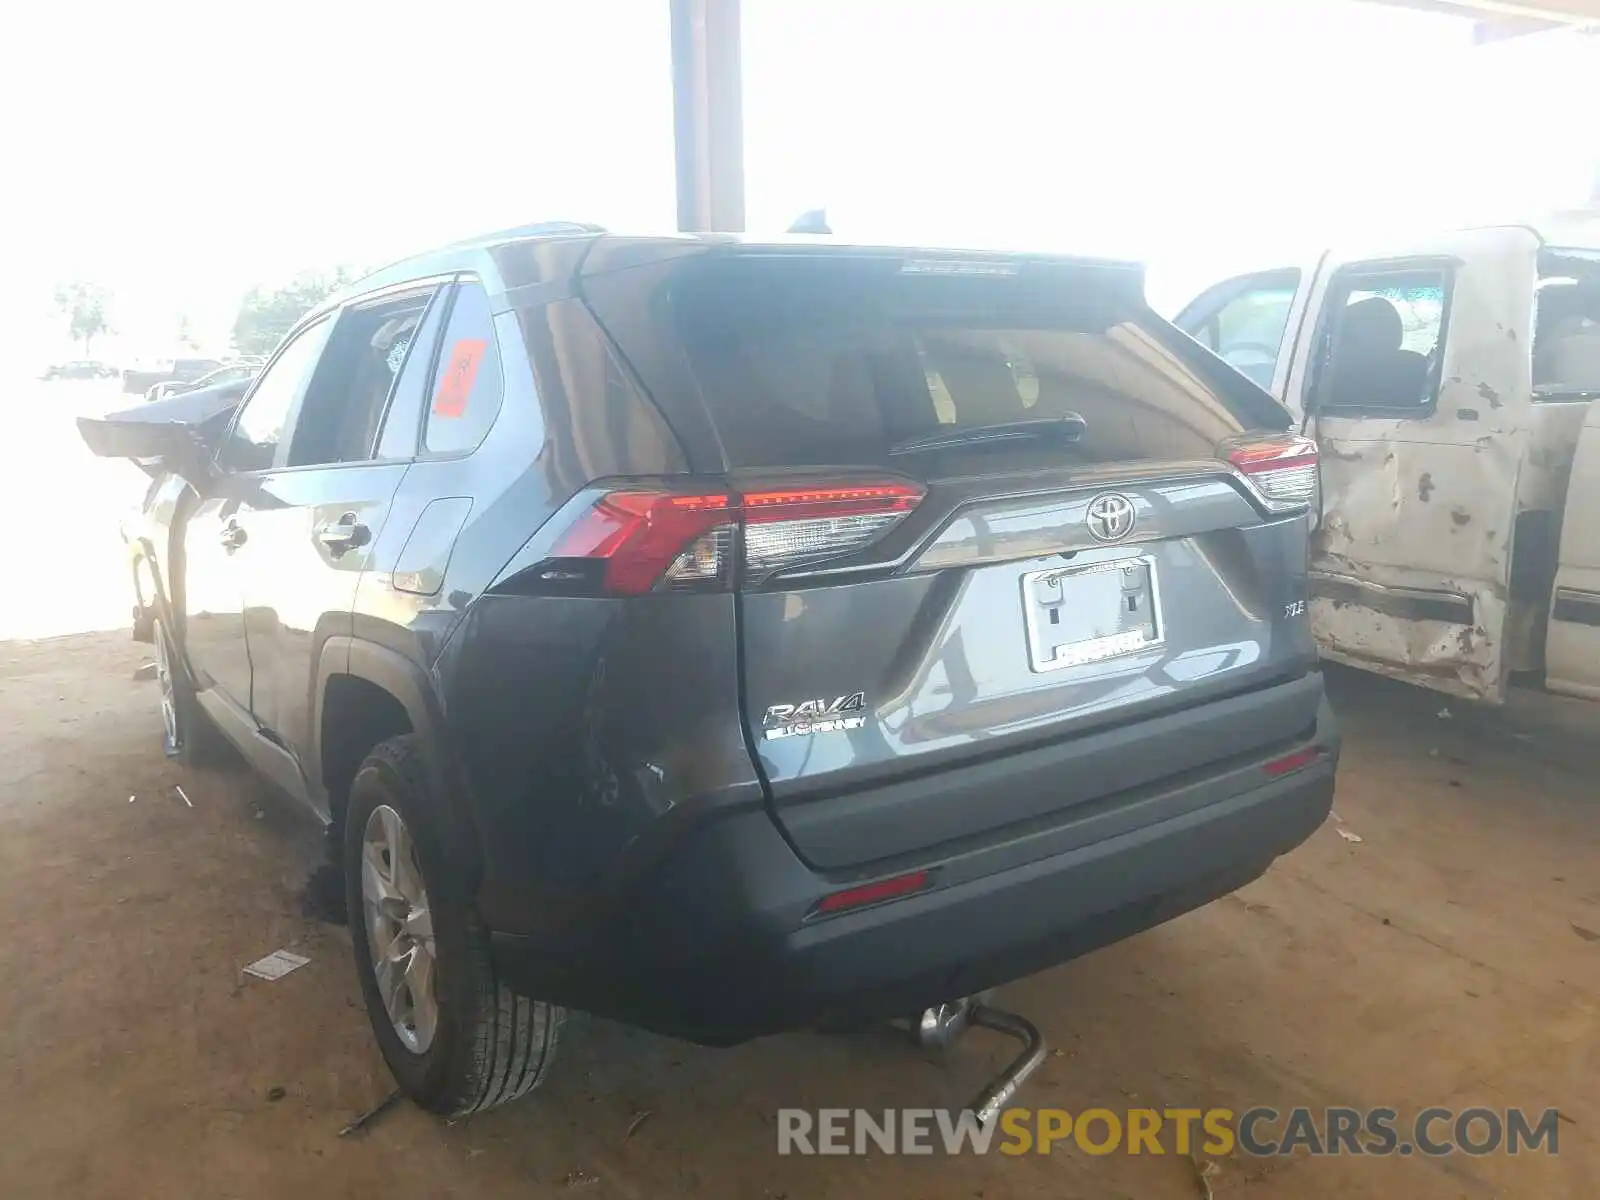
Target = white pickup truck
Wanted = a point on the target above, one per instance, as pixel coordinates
(1452, 385)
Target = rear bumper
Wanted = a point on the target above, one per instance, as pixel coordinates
(717, 944)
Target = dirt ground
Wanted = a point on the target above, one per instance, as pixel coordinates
(1451, 957)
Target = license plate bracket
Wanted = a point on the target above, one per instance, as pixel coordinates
(1087, 614)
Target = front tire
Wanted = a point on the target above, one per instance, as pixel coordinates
(456, 1039)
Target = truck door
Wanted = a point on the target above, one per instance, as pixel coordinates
(1572, 653)
(1413, 372)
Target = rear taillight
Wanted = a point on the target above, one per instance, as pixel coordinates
(644, 537)
(787, 527)
(1281, 469)
(633, 541)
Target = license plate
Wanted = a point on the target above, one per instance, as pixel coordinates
(1078, 615)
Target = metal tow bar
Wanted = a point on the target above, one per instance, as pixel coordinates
(942, 1024)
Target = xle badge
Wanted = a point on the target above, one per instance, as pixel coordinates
(814, 716)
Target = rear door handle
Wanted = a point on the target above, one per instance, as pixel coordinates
(233, 536)
(346, 533)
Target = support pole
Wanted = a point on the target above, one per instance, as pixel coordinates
(707, 111)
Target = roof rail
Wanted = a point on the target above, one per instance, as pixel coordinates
(537, 229)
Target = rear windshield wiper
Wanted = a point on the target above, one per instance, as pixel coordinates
(1067, 428)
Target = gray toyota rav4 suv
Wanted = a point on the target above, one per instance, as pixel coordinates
(729, 636)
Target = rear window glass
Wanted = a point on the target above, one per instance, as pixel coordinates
(833, 360)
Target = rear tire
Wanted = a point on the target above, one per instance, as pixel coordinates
(459, 1041)
(187, 734)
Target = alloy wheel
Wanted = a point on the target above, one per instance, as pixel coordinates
(169, 699)
(399, 929)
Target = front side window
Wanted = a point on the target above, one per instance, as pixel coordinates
(1382, 340)
(258, 430)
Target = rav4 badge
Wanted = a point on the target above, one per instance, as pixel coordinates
(814, 716)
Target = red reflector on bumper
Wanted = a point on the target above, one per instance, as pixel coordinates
(1293, 762)
(872, 893)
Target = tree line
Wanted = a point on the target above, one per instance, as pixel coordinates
(265, 313)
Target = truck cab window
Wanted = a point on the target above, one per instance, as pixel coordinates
(1566, 337)
(1242, 321)
(1384, 341)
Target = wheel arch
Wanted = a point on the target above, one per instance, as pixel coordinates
(367, 693)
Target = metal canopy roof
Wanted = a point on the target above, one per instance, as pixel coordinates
(708, 100)
(1558, 12)
(1501, 19)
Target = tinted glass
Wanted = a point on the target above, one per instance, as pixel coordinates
(404, 416)
(339, 418)
(829, 360)
(468, 386)
(253, 443)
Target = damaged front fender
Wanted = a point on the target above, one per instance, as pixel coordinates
(178, 435)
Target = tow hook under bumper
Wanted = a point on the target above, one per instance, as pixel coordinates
(939, 1027)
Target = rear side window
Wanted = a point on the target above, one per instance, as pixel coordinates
(468, 386)
(339, 417)
(403, 419)
(838, 360)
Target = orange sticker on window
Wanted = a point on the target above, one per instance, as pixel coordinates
(455, 381)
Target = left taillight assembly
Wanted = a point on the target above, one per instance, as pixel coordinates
(1280, 469)
(640, 538)
(627, 542)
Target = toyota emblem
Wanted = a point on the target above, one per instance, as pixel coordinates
(1110, 517)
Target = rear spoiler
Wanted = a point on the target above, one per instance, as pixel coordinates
(172, 435)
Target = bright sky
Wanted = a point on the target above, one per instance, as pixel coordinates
(179, 152)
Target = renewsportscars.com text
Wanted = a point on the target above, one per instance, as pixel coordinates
(1256, 1132)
